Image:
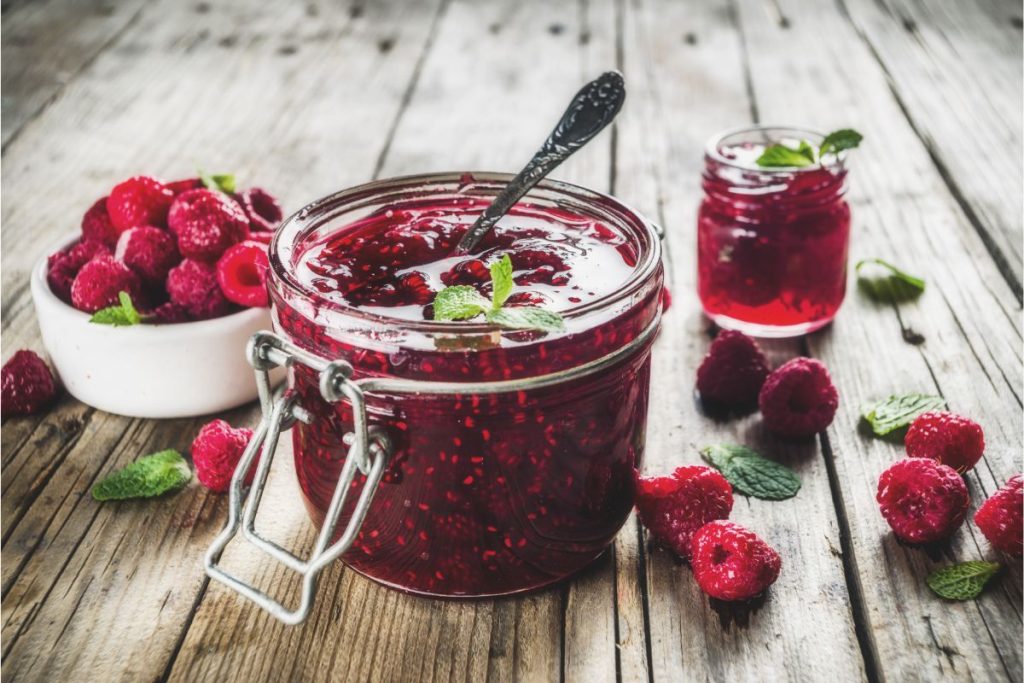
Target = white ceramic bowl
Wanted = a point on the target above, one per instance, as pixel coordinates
(152, 371)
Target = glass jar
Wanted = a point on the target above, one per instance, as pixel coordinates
(772, 243)
(511, 454)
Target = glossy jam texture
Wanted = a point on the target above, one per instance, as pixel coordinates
(772, 246)
(494, 493)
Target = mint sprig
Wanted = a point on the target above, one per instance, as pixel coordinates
(963, 581)
(782, 156)
(751, 474)
(897, 412)
(149, 476)
(121, 315)
(218, 182)
(894, 285)
(462, 302)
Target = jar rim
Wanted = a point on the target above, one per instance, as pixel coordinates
(712, 149)
(291, 231)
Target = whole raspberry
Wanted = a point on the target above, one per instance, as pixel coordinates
(951, 439)
(139, 201)
(206, 223)
(732, 563)
(150, 252)
(674, 507)
(96, 224)
(100, 280)
(179, 186)
(1000, 517)
(261, 208)
(242, 274)
(922, 500)
(62, 267)
(27, 384)
(216, 451)
(733, 371)
(193, 286)
(798, 398)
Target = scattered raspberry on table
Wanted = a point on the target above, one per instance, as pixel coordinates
(733, 371)
(948, 438)
(26, 384)
(216, 451)
(673, 507)
(1000, 517)
(798, 399)
(922, 500)
(732, 563)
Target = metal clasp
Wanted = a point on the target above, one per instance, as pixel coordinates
(368, 452)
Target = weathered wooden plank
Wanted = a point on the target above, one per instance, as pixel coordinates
(969, 320)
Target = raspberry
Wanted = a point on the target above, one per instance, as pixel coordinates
(100, 280)
(999, 517)
(179, 186)
(96, 224)
(27, 384)
(62, 267)
(149, 251)
(798, 399)
(674, 507)
(206, 223)
(951, 439)
(242, 274)
(733, 372)
(261, 208)
(168, 314)
(216, 451)
(922, 500)
(193, 286)
(139, 201)
(732, 563)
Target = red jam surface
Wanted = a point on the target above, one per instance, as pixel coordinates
(771, 244)
(486, 494)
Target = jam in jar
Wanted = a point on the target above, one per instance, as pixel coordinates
(771, 242)
(486, 492)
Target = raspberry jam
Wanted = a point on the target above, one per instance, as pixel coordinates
(771, 242)
(486, 493)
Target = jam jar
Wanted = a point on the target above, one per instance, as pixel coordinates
(504, 458)
(772, 243)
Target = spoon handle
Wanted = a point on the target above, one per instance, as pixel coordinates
(593, 108)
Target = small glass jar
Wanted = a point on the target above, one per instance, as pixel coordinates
(485, 492)
(772, 243)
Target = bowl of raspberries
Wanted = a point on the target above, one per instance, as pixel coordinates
(146, 310)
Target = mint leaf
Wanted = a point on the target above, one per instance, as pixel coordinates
(121, 315)
(218, 182)
(840, 140)
(751, 474)
(897, 412)
(460, 302)
(894, 286)
(782, 156)
(526, 318)
(501, 281)
(149, 476)
(963, 581)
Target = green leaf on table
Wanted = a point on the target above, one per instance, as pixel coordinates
(897, 412)
(121, 315)
(149, 476)
(750, 473)
(840, 141)
(460, 302)
(218, 182)
(892, 285)
(787, 157)
(501, 281)
(963, 581)
(526, 318)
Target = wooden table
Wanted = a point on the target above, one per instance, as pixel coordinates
(306, 98)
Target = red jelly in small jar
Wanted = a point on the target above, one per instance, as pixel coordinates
(485, 493)
(772, 243)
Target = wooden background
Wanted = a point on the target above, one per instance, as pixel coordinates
(306, 98)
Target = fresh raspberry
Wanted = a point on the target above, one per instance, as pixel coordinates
(96, 224)
(193, 286)
(731, 563)
(1000, 517)
(675, 506)
(139, 201)
(206, 223)
(216, 451)
(150, 252)
(951, 439)
(168, 313)
(179, 186)
(261, 208)
(62, 267)
(798, 398)
(27, 384)
(242, 274)
(733, 372)
(99, 282)
(922, 500)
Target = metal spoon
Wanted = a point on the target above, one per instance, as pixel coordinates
(593, 108)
